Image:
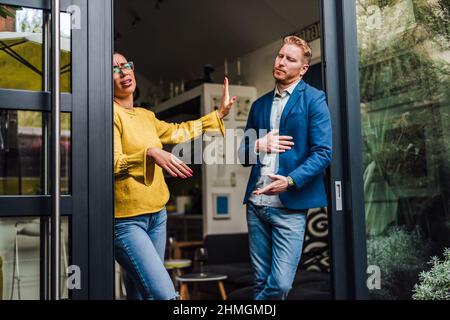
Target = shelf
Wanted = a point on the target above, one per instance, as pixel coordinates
(180, 99)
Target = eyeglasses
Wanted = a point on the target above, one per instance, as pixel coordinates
(127, 66)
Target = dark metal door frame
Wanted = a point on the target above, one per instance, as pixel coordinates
(347, 226)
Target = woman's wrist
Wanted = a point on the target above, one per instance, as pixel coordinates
(219, 114)
(150, 152)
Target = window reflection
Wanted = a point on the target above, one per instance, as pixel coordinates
(21, 49)
(404, 53)
(22, 153)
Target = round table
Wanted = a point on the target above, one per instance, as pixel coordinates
(177, 263)
(174, 267)
(201, 277)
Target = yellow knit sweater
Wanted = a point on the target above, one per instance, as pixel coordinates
(139, 182)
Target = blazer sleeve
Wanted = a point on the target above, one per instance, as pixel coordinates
(247, 154)
(320, 141)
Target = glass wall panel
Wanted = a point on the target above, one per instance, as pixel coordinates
(404, 56)
(21, 49)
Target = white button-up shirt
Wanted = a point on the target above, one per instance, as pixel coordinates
(269, 161)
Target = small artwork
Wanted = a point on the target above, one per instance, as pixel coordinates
(221, 206)
(242, 108)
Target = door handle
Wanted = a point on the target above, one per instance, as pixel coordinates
(55, 151)
(338, 194)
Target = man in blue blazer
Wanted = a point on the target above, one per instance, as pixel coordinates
(291, 149)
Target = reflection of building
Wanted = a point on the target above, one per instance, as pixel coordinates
(7, 24)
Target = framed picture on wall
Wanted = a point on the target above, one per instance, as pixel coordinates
(243, 106)
(215, 104)
(221, 206)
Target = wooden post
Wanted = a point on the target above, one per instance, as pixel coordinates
(223, 294)
(184, 291)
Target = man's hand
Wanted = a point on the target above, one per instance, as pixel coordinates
(226, 103)
(279, 185)
(273, 143)
(174, 166)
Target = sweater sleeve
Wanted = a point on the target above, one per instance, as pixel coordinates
(136, 165)
(174, 133)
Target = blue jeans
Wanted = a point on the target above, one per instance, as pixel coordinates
(140, 244)
(276, 240)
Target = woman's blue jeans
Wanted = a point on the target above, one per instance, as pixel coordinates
(140, 244)
(276, 240)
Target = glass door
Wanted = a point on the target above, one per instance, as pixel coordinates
(347, 234)
(25, 149)
(404, 59)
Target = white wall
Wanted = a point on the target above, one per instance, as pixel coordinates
(217, 179)
(256, 67)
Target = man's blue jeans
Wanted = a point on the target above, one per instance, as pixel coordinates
(140, 244)
(276, 239)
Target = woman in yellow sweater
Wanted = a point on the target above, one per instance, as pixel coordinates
(140, 190)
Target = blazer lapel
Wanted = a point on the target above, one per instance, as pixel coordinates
(291, 103)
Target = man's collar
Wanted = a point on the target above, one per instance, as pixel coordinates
(289, 89)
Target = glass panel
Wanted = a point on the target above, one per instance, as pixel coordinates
(404, 53)
(66, 163)
(66, 52)
(21, 49)
(20, 258)
(65, 257)
(22, 153)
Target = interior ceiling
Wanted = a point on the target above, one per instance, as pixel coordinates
(173, 39)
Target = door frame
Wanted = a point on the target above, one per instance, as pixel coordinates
(341, 74)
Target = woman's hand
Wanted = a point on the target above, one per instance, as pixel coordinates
(174, 166)
(226, 103)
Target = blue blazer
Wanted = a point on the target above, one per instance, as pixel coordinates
(307, 119)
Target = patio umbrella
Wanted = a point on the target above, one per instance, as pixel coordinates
(21, 61)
